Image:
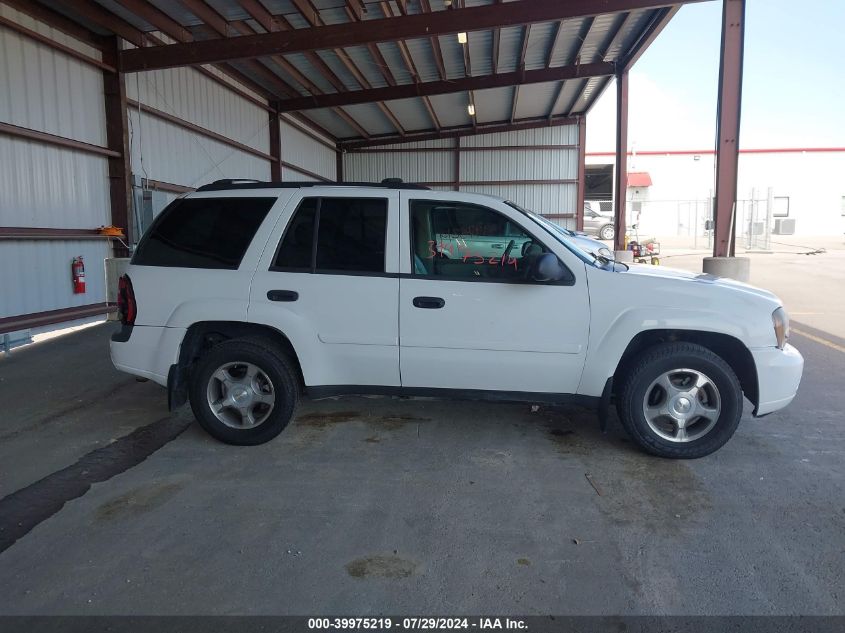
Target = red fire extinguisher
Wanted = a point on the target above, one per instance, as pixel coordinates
(77, 268)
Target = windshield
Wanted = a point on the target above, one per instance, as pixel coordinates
(560, 234)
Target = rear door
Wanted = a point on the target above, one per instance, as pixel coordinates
(471, 319)
(329, 281)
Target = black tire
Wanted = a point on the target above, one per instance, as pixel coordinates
(275, 365)
(607, 232)
(664, 357)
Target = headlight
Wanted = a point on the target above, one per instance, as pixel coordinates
(780, 319)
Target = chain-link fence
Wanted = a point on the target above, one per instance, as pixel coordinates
(689, 223)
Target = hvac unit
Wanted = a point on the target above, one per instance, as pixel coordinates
(784, 226)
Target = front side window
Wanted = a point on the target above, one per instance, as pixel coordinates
(350, 236)
(202, 233)
(458, 240)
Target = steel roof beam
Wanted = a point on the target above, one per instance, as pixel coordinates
(59, 22)
(660, 20)
(412, 69)
(222, 28)
(430, 88)
(158, 18)
(520, 66)
(574, 58)
(455, 132)
(260, 14)
(93, 12)
(434, 41)
(373, 31)
(615, 36)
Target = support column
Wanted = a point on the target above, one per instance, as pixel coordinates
(117, 139)
(727, 130)
(621, 174)
(338, 155)
(275, 144)
(582, 168)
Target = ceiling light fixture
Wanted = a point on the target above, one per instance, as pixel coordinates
(471, 109)
(462, 38)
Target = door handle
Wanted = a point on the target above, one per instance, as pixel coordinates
(432, 303)
(282, 295)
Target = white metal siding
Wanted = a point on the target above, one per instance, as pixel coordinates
(497, 164)
(291, 175)
(501, 164)
(35, 275)
(48, 186)
(557, 135)
(42, 29)
(49, 91)
(410, 166)
(173, 154)
(161, 150)
(193, 97)
(303, 151)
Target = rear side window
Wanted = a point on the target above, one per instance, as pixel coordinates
(351, 234)
(203, 233)
(298, 243)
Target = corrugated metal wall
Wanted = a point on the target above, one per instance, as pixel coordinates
(498, 166)
(422, 166)
(160, 147)
(303, 151)
(168, 152)
(44, 185)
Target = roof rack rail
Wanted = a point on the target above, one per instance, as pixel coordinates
(246, 183)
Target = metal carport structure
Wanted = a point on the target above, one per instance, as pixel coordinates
(356, 76)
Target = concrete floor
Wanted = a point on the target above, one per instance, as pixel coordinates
(368, 506)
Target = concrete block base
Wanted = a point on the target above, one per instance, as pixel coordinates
(738, 268)
(624, 256)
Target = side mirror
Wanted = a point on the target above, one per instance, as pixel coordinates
(547, 267)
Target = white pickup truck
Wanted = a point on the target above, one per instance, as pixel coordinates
(243, 295)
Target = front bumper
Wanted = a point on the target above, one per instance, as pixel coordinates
(778, 376)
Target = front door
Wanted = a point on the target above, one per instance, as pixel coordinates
(329, 281)
(470, 318)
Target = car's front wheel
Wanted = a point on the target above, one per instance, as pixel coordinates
(243, 392)
(607, 232)
(680, 400)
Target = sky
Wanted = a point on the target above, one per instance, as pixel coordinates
(793, 92)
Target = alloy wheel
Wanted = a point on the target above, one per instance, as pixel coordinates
(682, 405)
(240, 395)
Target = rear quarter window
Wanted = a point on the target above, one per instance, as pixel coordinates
(203, 233)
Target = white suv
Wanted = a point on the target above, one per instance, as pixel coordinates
(242, 295)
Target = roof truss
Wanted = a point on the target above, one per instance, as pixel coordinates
(430, 88)
(373, 31)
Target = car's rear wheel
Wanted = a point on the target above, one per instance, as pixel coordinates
(680, 400)
(244, 392)
(607, 232)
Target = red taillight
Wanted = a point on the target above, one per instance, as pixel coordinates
(126, 306)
